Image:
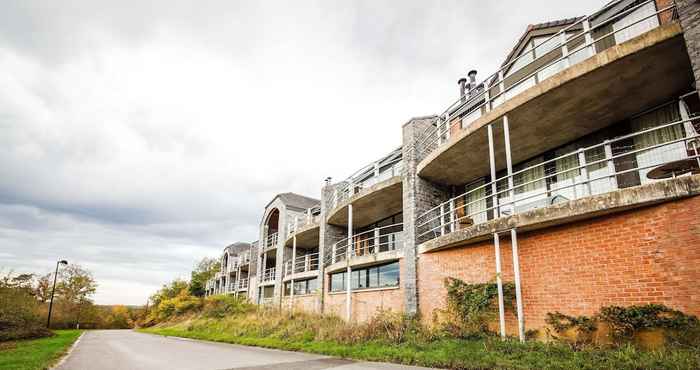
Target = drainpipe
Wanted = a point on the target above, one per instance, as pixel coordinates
(348, 294)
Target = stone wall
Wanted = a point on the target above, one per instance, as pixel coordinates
(419, 195)
(689, 15)
(648, 255)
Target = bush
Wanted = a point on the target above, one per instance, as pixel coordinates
(471, 307)
(19, 313)
(219, 306)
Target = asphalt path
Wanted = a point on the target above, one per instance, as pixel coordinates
(130, 350)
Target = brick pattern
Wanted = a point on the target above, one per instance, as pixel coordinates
(649, 255)
(365, 304)
(307, 303)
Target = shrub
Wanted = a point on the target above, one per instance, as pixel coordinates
(473, 306)
(19, 312)
(220, 306)
(624, 322)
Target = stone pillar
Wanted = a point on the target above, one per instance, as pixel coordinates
(689, 15)
(328, 234)
(419, 195)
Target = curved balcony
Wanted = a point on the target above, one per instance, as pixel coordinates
(595, 83)
(270, 242)
(372, 203)
(645, 167)
(302, 267)
(366, 248)
(307, 232)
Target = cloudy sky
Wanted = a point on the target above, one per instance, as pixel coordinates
(138, 137)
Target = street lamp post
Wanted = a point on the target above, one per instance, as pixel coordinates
(53, 290)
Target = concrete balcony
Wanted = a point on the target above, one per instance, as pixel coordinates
(374, 191)
(585, 183)
(367, 248)
(271, 241)
(595, 90)
(268, 276)
(302, 267)
(306, 231)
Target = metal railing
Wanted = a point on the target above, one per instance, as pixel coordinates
(269, 275)
(364, 178)
(613, 164)
(381, 239)
(569, 46)
(305, 263)
(311, 216)
(271, 240)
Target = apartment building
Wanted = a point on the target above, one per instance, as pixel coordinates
(572, 171)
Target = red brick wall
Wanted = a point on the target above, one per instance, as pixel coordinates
(305, 302)
(649, 255)
(366, 303)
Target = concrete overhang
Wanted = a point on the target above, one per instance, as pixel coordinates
(366, 260)
(571, 211)
(377, 202)
(301, 275)
(605, 88)
(307, 236)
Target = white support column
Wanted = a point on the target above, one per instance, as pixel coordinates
(376, 240)
(492, 164)
(499, 284)
(509, 162)
(452, 215)
(518, 291)
(348, 288)
(588, 38)
(584, 171)
(294, 258)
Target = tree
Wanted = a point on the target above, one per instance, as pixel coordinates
(75, 288)
(42, 290)
(203, 271)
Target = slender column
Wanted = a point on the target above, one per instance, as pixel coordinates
(611, 164)
(492, 163)
(499, 284)
(518, 292)
(294, 258)
(349, 245)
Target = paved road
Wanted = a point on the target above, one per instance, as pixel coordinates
(129, 350)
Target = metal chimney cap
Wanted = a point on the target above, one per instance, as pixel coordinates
(472, 73)
(461, 81)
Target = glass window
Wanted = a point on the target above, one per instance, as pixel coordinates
(646, 160)
(370, 277)
(338, 282)
(287, 286)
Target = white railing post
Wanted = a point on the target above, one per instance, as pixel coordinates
(509, 161)
(333, 251)
(487, 97)
(452, 215)
(564, 49)
(376, 240)
(307, 263)
(442, 219)
(376, 169)
(501, 86)
(590, 48)
(611, 164)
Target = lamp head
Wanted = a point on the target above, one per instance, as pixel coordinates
(63, 262)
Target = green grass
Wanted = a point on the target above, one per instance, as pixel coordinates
(458, 353)
(34, 354)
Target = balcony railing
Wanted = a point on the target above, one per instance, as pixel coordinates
(571, 45)
(382, 239)
(365, 178)
(311, 216)
(269, 275)
(242, 284)
(271, 240)
(596, 169)
(305, 263)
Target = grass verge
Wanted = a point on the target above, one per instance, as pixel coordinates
(35, 354)
(489, 353)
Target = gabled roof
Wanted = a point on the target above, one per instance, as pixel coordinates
(560, 23)
(296, 200)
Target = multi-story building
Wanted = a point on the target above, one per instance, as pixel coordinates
(571, 171)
